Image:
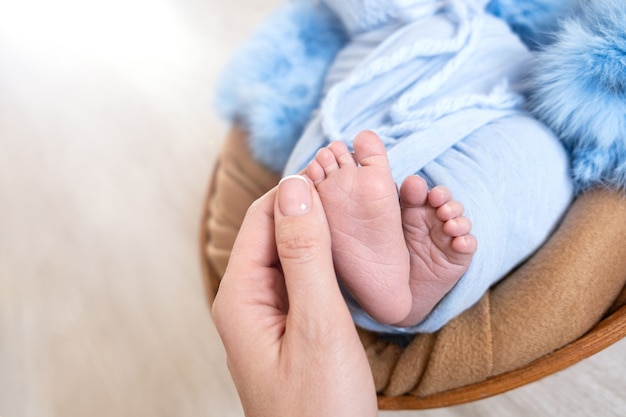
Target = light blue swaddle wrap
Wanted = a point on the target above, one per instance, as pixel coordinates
(437, 81)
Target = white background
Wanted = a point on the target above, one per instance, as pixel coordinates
(107, 138)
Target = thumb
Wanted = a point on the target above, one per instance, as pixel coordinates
(304, 249)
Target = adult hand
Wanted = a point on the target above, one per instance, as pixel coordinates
(291, 345)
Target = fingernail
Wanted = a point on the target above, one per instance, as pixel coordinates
(294, 195)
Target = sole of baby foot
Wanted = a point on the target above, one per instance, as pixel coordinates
(440, 245)
(361, 202)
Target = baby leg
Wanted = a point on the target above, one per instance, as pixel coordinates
(440, 246)
(361, 202)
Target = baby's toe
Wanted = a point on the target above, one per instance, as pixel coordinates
(413, 192)
(316, 172)
(450, 210)
(439, 196)
(458, 226)
(369, 150)
(326, 159)
(342, 154)
(466, 245)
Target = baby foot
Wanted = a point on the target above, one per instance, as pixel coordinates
(361, 202)
(439, 243)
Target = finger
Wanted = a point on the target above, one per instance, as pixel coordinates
(304, 249)
(250, 281)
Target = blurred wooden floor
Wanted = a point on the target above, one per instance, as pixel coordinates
(107, 138)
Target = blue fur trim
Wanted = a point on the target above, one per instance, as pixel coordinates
(580, 91)
(534, 21)
(274, 81)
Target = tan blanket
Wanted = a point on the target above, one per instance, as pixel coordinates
(553, 299)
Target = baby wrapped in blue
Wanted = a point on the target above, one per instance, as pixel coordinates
(440, 82)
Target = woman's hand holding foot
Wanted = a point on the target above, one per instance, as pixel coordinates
(291, 344)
